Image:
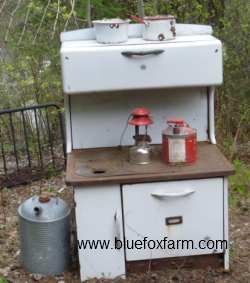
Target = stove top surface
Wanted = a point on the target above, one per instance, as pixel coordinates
(110, 165)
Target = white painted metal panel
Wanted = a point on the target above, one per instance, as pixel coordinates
(98, 120)
(85, 43)
(135, 31)
(198, 202)
(67, 123)
(99, 217)
(104, 68)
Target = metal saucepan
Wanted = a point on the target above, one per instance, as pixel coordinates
(157, 27)
(111, 30)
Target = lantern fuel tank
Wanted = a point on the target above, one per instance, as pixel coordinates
(179, 142)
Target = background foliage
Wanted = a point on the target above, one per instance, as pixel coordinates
(29, 42)
(30, 65)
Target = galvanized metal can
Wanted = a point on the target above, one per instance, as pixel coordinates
(45, 235)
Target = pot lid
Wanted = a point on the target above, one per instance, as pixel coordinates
(111, 21)
(159, 17)
(43, 209)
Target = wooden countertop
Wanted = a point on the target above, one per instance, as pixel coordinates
(110, 165)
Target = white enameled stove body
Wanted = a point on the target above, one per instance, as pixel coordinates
(184, 62)
(102, 86)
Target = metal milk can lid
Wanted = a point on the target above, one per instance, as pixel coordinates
(43, 209)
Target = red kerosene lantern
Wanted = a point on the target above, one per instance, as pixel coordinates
(179, 142)
(140, 153)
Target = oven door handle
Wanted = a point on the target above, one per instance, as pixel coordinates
(131, 54)
(160, 194)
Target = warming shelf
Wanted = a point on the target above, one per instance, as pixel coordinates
(88, 66)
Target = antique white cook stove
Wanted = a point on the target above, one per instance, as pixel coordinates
(114, 198)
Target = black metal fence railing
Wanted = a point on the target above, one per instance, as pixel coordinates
(32, 143)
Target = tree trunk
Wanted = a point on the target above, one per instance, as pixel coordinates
(89, 8)
(141, 11)
(156, 6)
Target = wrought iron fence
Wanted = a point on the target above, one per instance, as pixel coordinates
(32, 143)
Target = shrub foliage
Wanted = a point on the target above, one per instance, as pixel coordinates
(29, 42)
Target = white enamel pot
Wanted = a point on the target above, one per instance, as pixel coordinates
(158, 28)
(111, 30)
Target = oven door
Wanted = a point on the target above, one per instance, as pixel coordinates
(188, 213)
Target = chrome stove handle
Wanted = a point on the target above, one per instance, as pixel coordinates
(161, 194)
(131, 54)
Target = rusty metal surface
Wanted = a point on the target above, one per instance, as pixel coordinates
(110, 165)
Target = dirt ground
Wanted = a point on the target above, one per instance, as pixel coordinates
(11, 269)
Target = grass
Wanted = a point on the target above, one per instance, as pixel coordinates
(3, 280)
(240, 182)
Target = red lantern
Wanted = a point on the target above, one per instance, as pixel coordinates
(140, 153)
